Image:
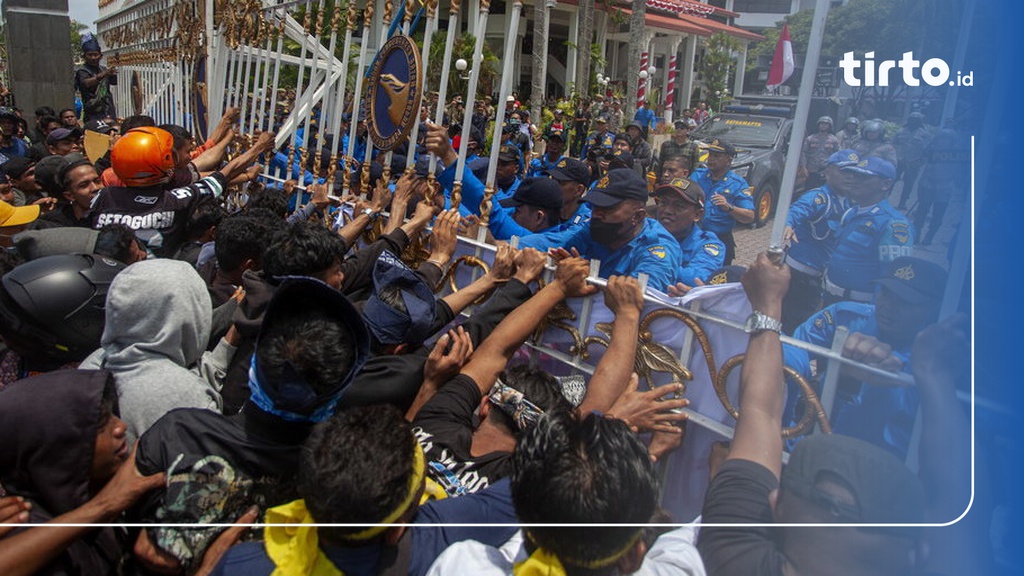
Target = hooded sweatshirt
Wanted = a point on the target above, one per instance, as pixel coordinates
(49, 425)
(158, 320)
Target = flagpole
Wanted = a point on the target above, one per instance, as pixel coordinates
(803, 106)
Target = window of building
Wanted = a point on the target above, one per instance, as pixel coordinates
(762, 6)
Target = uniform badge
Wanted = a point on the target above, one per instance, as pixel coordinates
(905, 273)
(395, 92)
(749, 191)
(560, 164)
(658, 251)
(901, 232)
(819, 322)
(720, 278)
(818, 199)
(602, 183)
(712, 249)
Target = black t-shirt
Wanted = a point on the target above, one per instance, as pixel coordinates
(157, 215)
(444, 429)
(738, 494)
(98, 102)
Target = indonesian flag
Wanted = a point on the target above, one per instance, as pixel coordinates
(782, 62)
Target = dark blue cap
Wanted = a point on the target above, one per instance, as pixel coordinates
(620, 159)
(874, 166)
(89, 43)
(615, 186)
(392, 326)
(540, 192)
(571, 169)
(294, 295)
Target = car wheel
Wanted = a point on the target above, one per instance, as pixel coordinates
(764, 204)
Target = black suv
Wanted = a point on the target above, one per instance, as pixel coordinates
(760, 132)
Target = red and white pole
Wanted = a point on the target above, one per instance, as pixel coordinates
(670, 92)
(641, 90)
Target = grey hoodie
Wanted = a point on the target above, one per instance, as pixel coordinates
(158, 319)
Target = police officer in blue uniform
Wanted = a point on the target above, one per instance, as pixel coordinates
(507, 176)
(573, 176)
(619, 233)
(535, 207)
(729, 195)
(542, 165)
(600, 141)
(872, 233)
(812, 225)
(680, 209)
(907, 299)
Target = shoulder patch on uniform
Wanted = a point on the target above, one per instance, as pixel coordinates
(819, 322)
(657, 251)
(749, 190)
(901, 232)
(712, 249)
(827, 315)
(819, 199)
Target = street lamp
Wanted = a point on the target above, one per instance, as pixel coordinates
(651, 70)
(461, 65)
(643, 74)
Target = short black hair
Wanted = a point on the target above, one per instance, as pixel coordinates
(108, 402)
(206, 212)
(44, 111)
(538, 386)
(241, 237)
(137, 121)
(310, 342)
(302, 249)
(49, 119)
(271, 199)
(594, 470)
(356, 467)
(115, 241)
(180, 134)
(63, 110)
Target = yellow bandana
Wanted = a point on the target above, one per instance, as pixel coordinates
(540, 563)
(294, 548)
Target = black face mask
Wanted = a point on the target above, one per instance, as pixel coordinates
(608, 232)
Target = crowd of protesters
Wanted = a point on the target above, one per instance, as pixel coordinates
(193, 338)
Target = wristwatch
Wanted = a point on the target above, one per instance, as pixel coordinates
(370, 214)
(759, 322)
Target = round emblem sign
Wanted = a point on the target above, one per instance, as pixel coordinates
(395, 91)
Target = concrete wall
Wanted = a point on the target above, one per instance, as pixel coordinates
(39, 53)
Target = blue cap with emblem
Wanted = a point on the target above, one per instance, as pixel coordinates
(914, 280)
(844, 158)
(617, 185)
(571, 169)
(874, 166)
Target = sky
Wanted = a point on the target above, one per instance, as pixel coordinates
(84, 11)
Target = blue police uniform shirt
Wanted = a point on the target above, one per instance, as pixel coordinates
(882, 415)
(733, 187)
(540, 166)
(503, 225)
(869, 238)
(580, 217)
(654, 251)
(815, 218)
(278, 168)
(472, 190)
(605, 141)
(702, 253)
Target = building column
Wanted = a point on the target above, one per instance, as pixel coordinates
(741, 68)
(570, 58)
(645, 63)
(689, 55)
(670, 80)
(601, 26)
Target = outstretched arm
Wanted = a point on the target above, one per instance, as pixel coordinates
(757, 436)
(623, 297)
(493, 354)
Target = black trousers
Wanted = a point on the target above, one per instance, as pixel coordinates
(730, 246)
(802, 300)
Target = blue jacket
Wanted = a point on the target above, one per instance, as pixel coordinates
(580, 217)
(702, 253)
(606, 141)
(736, 191)
(869, 238)
(653, 251)
(815, 217)
(881, 415)
(472, 190)
(645, 116)
(540, 166)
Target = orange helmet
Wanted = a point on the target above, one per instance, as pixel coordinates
(144, 156)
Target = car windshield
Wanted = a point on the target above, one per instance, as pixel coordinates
(748, 131)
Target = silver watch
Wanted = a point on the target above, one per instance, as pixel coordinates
(758, 322)
(370, 214)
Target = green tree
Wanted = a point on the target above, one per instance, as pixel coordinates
(714, 66)
(77, 28)
(463, 48)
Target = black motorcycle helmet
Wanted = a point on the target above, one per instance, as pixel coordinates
(52, 309)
